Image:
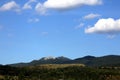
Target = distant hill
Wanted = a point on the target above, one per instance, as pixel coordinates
(109, 60)
(44, 60)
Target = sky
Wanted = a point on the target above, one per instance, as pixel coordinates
(32, 29)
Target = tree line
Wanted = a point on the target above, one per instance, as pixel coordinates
(65, 73)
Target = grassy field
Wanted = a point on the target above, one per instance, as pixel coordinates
(55, 66)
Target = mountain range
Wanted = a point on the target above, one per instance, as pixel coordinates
(108, 60)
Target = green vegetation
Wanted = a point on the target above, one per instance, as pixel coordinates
(59, 72)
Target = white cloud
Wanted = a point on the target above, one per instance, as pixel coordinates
(105, 26)
(91, 16)
(111, 36)
(12, 5)
(28, 5)
(68, 4)
(79, 26)
(63, 4)
(40, 9)
(34, 20)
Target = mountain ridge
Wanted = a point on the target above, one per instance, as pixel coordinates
(86, 60)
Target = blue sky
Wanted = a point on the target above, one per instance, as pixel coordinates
(31, 29)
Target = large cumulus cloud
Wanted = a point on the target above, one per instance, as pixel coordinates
(105, 26)
(67, 4)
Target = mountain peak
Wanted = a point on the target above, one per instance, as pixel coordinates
(48, 58)
(89, 57)
(63, 58)
(54, 58)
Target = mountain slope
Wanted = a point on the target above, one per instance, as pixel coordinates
(44, 60)
(109, 60)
